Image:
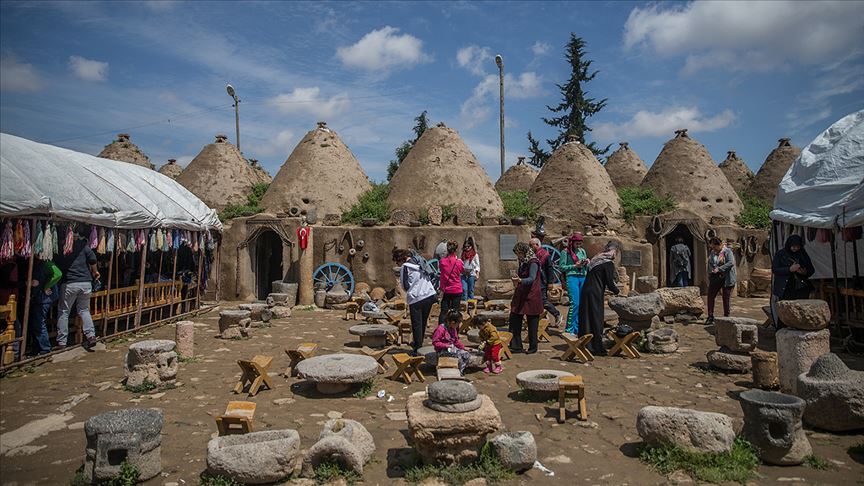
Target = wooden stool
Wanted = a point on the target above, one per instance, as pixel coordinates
(303, 351)
(448, 369)
(405, 329)
(623, 346)
(472, 306)
(351, 309)
(506, 337)
(407, 365)
(541, 331)
(254, 374)
(577, 346)
(378, 355)
(571, 384)
(467, 322)
(237, 418)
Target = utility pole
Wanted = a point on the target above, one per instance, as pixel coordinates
(500, 62)
(233, 94)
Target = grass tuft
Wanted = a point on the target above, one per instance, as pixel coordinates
(142, 388)
(187, 359)
(331, 471)
(814, 462)
(636, 201)
(516, 205)
(365, 389)
(737, 465)
(371, 205)
(216, 480)
(487, 466)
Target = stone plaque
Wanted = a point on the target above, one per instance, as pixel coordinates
(505, 247)
(631, 258)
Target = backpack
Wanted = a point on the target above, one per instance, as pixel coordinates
(426, 268)
(679, 259)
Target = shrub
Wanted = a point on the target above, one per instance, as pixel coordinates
(737, 465)
(755, 213)
(250, 208)
(487, 466)
(516, 205)
(327, 472)
(636, 201)
(372, 205)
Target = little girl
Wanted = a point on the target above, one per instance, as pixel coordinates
(491, 347)
(446, 340)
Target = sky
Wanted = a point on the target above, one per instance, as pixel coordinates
(738, 75)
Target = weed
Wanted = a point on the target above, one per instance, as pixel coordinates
(216, 480)
(424, 216)
(636, 201)
(188, 359)
(448, 212)
(755, 213)
(365, 389)
(737, 465)
(78, 479)
(487, 466)
(517, 205)
(304, 308)
(251, 207)
(330, 471)
(142, 388)
(817, 463)
(371, 205)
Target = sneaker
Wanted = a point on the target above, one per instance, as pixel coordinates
(498, 370)
(486, 370)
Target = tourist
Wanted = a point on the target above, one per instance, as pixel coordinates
(450, 280)
(574, 266)
(79, 271)
(420, 295)
(491, 347)
(679, 260)
(446, 341)
(600, 277)
(46, 292)
(792, 270)
(547, 276)
(721, 276)
(470, 268)
(527, 302)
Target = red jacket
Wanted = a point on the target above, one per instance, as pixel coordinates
(444, 337)
(451, 274)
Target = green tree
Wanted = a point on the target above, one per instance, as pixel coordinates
(575, 108)
(421, 124)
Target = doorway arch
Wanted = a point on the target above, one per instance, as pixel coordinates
(268, 262)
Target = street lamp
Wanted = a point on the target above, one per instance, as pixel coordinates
(233, 95)
(500, 62)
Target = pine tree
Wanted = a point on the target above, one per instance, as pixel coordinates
(575, 107)
(421, 124)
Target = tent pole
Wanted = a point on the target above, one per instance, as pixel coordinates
(834, 266)
(144, 250)
(24, 325)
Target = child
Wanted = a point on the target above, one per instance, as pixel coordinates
(491, 347)
(446, 340)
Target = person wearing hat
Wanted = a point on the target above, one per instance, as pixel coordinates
(574, 265)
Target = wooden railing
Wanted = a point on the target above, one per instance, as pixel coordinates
(847, 304)
(8, 313)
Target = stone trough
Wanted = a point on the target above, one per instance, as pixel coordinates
(543, 381)
(372, 335)
(337, 373)
(133, 435)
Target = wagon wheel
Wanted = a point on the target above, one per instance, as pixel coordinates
(555, 256)
(436, 279)
(329, 274)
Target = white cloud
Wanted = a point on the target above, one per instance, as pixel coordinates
(309, 101)
(88, 69)
(746, 36)
(663, 123)
(541, 48)
(382, 50)
(812, 106)
(474, 59)
(478, 107)
(18, 76)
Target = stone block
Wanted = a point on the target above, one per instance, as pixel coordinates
(133, 435)
(277, 298)
(331, 219)
(804, 314)
(727, 360)
(290, 289)
(646, 285)
(254, 458)
(231, 318)
(466, 216)
(690, 429)
(639, 308)
(497, 289)
(681, 300)
(766, 374)
(450, 438)
(796, 352)
(184, 333)
(834, 395)
(400, 217)
(436, 215)
(517, 451)
(739, 334)
(152, 361)
(489, 221)
(281, 312)
(255, 309)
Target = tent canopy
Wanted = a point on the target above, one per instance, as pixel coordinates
(825, 185)
(44, 180)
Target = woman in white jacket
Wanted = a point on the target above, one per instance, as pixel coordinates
(420, 295)
(471, 269)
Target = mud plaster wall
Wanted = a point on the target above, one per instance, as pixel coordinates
(238, 277)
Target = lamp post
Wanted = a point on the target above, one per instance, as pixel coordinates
(233, 95)
(500, 62)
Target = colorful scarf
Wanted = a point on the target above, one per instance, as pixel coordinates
(601, 258)
(37, 245)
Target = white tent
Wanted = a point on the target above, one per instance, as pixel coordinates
(44, 180)
(824, 188)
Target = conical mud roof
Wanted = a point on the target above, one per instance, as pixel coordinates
(768, 178)
(736, 172)
(573, 187)
(264, 177)
(320, 173)
(171, 169)
(219, 175)
(625, 168)
(517, 178)
(685, 171)
(124, 150)
(440, 170)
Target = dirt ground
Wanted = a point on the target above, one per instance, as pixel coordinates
(50, 446)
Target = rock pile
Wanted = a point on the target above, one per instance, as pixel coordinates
(152, 361)
(133, 435)
(343, 441)
(254, 458)
(772, 423)
(805, 339)
(258, 311)
(690, 429)
(639, 312)
(834, 395)
(235, 323)
(737, 337)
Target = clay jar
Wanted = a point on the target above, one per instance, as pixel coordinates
(772, 423)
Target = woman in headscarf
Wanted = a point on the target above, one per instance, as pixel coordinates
(791, 269)
(722, 276)
(574, 265)
(527, 301)
(601, 276)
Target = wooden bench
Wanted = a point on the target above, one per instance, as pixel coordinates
(303, 351)
(378, 355)
(577, 347)
(623, 345)
(237, 418)
(571, 385)
(407, 365)
(254, 374)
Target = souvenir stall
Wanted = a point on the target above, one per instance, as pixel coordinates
(154, 240)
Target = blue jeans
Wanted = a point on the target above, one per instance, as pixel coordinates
(39, 312)
(574, 292)
(468, 286)
(680, 279)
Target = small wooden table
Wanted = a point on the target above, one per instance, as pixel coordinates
(237, 418)
(574, 385)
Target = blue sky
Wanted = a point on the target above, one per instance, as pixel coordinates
(739, 75)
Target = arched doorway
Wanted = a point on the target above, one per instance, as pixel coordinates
(681, 231)
(268, 262)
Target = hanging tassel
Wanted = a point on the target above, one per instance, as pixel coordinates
(7, 243)
(68, 245)
(152, 241)
(166, 240)
(132, 245)
(160, 238)
(28, 243)
(55, 240)
(18, 238)
(109, 245)
(94, 238)
(48, 243)
(37, 245)
(100, 245)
